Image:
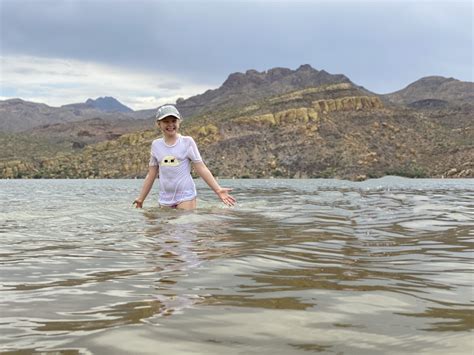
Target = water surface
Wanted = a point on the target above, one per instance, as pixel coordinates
(298, 266)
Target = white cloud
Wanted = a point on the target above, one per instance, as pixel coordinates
(57, 82)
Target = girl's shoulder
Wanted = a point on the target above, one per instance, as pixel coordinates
(157, 141)
(187, 139)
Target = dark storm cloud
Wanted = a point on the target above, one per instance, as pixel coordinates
(380, 45)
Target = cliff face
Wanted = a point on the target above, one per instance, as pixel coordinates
(328, 130)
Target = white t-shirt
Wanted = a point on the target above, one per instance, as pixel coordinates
(174, 162)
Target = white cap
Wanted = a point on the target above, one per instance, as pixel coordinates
(167, 110)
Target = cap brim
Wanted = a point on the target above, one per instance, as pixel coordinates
(170, 115)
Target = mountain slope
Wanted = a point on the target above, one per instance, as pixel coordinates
(332, 130)
(17, 115)
(278, 123)
(432, 89)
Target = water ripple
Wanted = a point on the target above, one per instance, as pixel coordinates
(386, 263)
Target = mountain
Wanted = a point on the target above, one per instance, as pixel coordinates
(239, 89)
(17, 115)
(277, 123)
(252, 86)
(107, 104)
(434, 92)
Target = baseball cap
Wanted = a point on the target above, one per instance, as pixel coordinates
(167, 110)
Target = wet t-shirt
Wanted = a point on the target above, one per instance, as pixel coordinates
(174, 162)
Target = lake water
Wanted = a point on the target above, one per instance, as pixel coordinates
(298, 266)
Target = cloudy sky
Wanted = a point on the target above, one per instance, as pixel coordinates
(149, 52)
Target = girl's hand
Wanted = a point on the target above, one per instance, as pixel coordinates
(223, 194)
(138, 203)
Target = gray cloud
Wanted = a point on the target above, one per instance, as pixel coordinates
(382, 45)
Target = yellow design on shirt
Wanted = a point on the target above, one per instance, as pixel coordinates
(170, 160)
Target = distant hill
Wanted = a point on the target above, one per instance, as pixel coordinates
(105, 104)
(17, 115)
(108, 104)
(424, 91)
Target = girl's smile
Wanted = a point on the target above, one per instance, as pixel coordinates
(169, 125)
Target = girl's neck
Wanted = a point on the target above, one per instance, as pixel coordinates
(171, 140)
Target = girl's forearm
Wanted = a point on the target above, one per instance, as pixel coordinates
(206, 175)
(145, 189)
(203, 171)
(147, 185)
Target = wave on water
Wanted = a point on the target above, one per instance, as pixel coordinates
(386, 263)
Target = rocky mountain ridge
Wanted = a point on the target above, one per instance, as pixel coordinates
(252, 86)
(328, 131)
(238, 89)
(326, 128)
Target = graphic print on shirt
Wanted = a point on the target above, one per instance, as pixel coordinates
(170, 160)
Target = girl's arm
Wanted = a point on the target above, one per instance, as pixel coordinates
(223, 193)
(147, 185)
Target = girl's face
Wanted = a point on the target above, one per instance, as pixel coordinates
(169, 125)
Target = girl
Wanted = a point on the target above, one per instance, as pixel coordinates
(172, 157)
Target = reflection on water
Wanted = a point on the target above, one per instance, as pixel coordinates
(383, 266)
